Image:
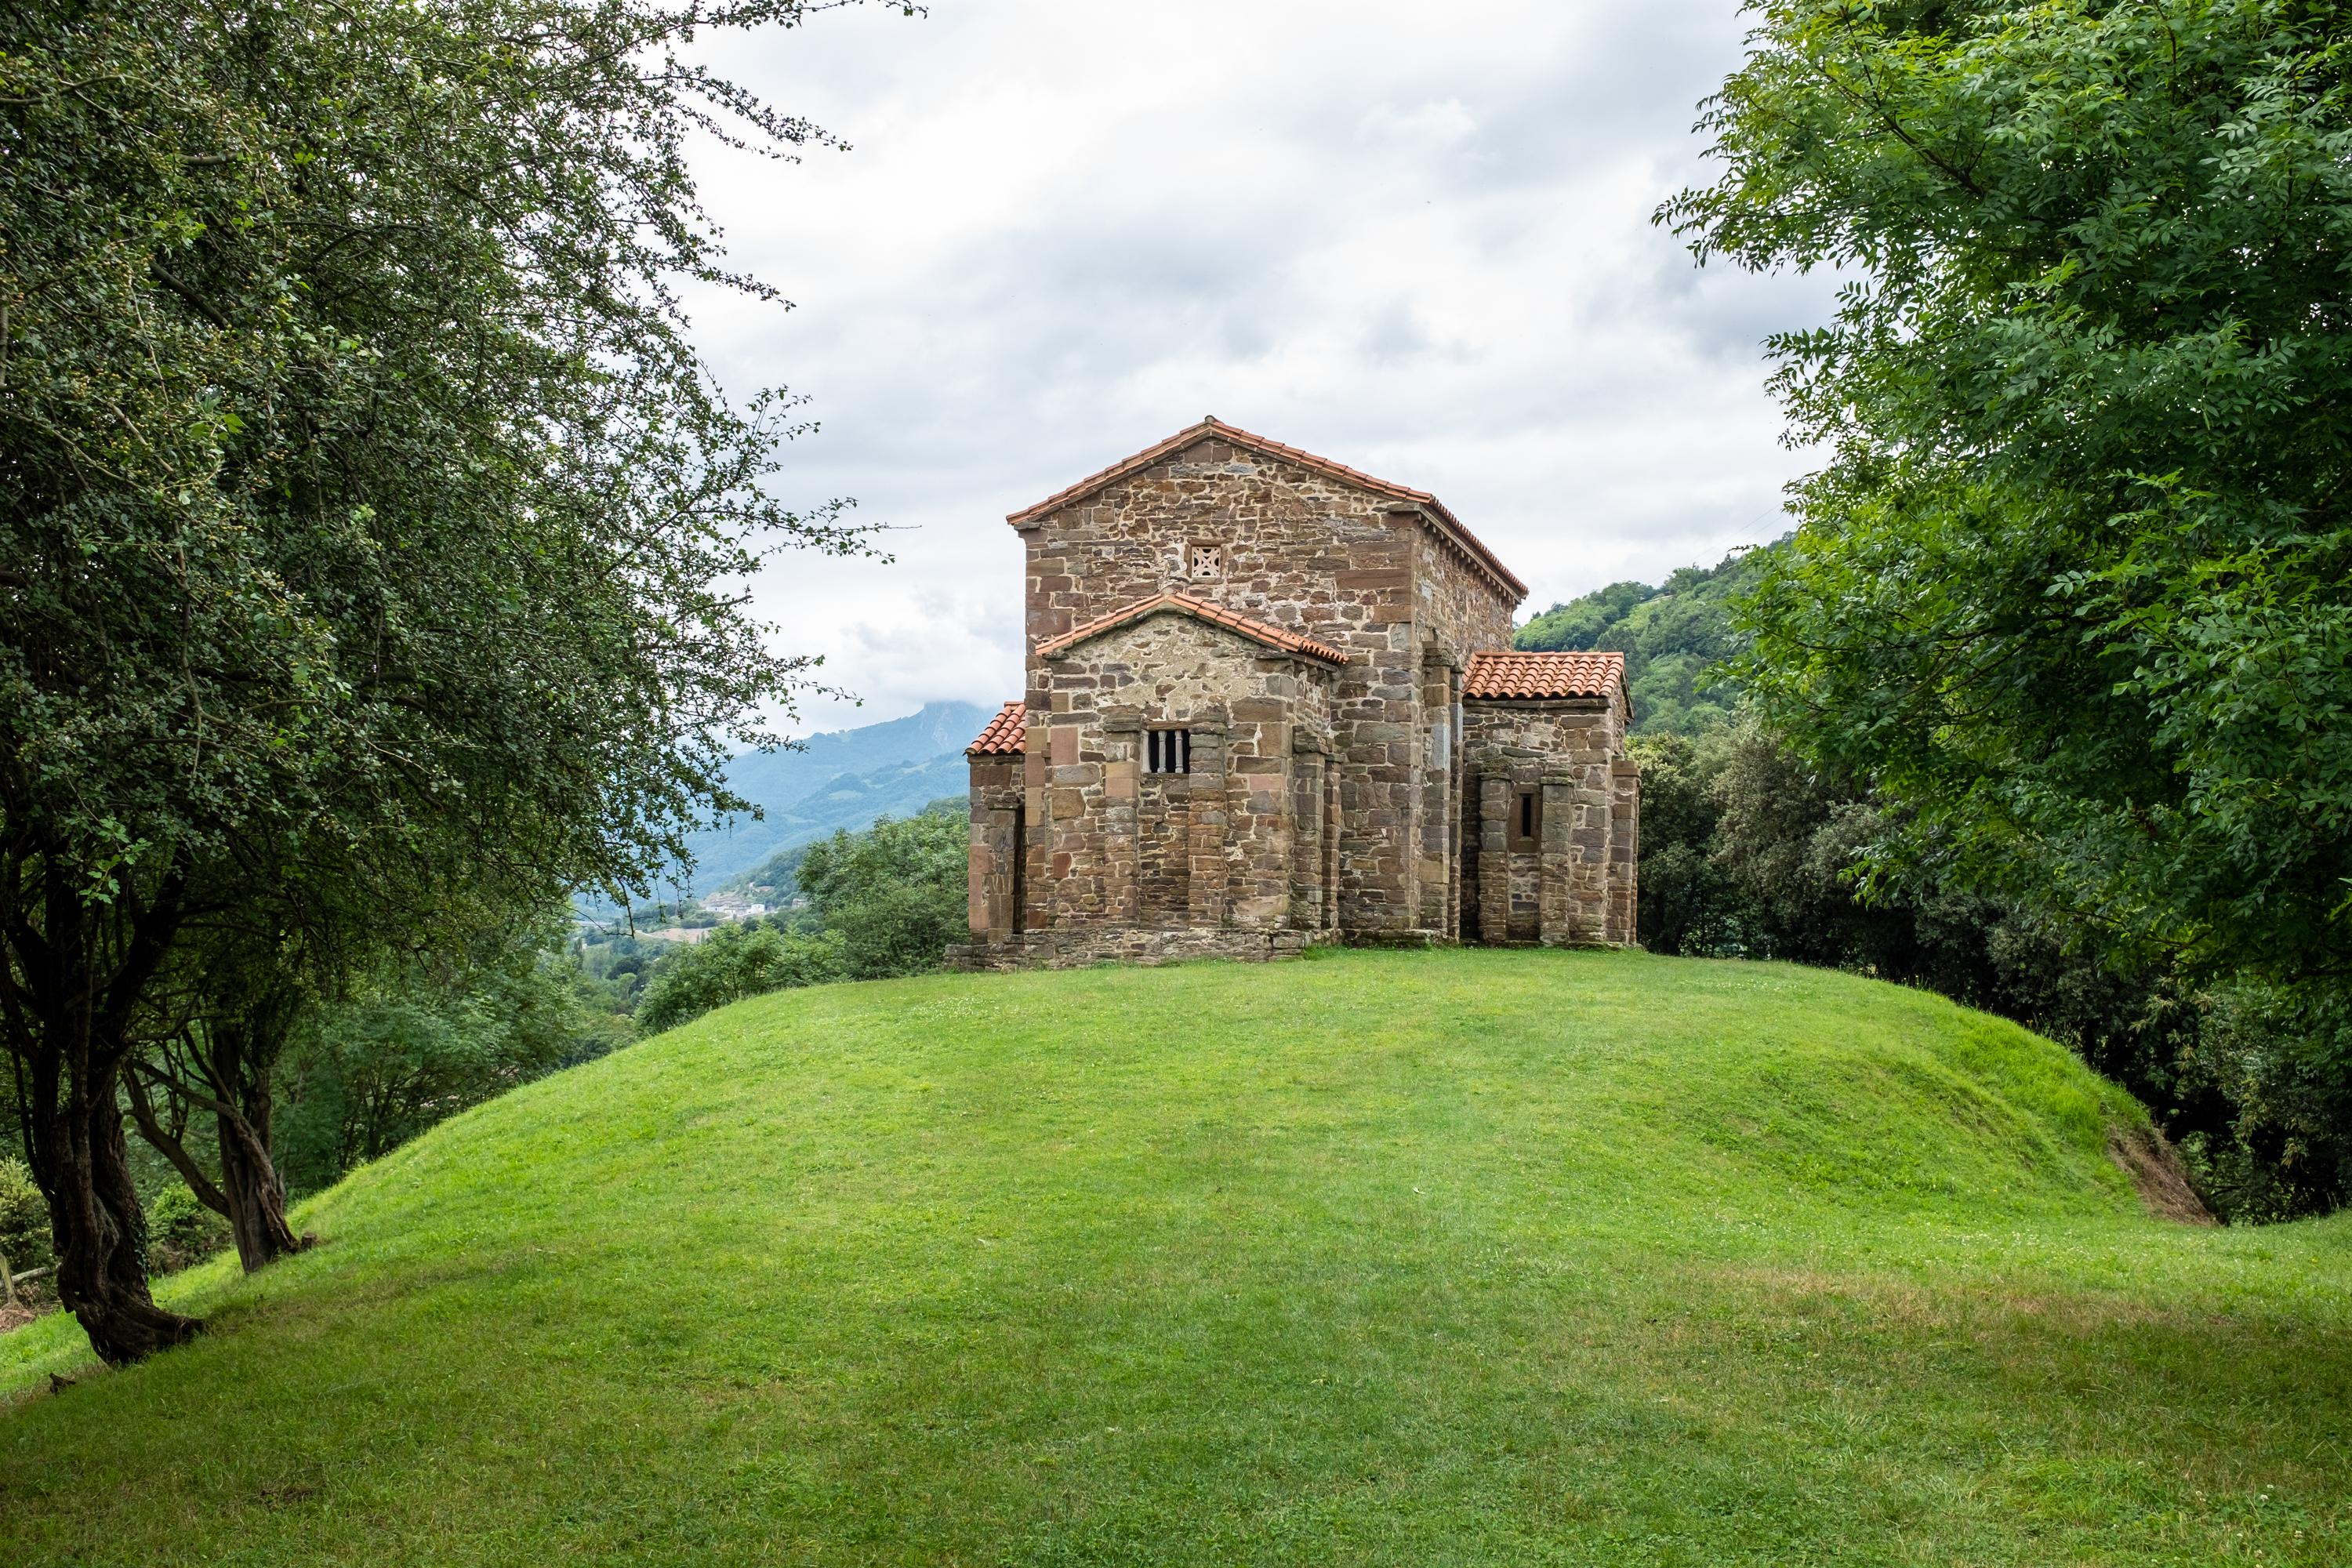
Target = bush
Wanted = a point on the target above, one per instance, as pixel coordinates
(180, 1231)
(895, 894)
(2279, 1057)
(24, 1219)
(731, 963)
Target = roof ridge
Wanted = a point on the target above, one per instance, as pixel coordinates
(1447, 525)
(1266, 632)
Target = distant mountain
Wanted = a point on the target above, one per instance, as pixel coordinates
(776, 880)
(844, 778)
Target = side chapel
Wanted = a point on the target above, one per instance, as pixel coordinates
(1272, 702)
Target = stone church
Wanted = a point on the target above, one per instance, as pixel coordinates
(1272, 702)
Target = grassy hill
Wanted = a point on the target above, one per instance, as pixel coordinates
(1455, 1257)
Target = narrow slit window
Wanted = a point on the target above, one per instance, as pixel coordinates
(1527, 819)
(1168, 750)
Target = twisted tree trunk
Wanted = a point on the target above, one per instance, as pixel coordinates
(257, 1197)
(101, 1240)
(81, 969)
(228, 1077)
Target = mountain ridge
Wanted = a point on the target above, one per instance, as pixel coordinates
(835, 779)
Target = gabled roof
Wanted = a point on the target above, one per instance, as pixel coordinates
(1280, 638)
(1002, 736)
(1432, 510)
(1539, 675)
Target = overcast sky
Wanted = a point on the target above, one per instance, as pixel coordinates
(1414, 238)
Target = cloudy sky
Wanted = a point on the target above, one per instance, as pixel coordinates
(1412, 238)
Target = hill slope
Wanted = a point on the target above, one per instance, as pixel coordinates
(1673, 636)
(1443, 1258)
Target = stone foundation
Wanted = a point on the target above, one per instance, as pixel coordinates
(1081, 947)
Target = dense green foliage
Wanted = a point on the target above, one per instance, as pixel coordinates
(1751, 850)
(423, 1038)
(369, 526)
(884, 902)
(2071, 592)
(895, 895)
(1675, 638)
(733, 963)
(24, 1218)
(181, 1230)
(1464, 1257)
(2066, 625)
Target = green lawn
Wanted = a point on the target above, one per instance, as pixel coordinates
(1410, 1258)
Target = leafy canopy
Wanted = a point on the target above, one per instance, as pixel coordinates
(371, 534)
(2071, 588)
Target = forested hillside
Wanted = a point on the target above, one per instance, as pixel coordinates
(1673, 636)
(841, 779)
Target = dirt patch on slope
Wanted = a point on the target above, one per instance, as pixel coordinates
(2154, 1165)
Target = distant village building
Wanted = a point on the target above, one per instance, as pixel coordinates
(1272, 702)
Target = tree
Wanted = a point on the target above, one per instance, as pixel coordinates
(895, 895)
(733, 963)
(2070, 596)
(221, 1067)
(368, 521)
(1675, 638)
(425, 1035)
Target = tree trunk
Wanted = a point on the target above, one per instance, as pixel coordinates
(101, 1237)
(257, 1197)
(229, 1076)
(81, 975)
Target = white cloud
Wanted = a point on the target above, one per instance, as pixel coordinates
(1416, 239)
(1434, 124)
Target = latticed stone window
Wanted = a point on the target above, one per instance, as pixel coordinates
(1208, 560)
(1168, 751)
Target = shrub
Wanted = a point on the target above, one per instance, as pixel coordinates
(182, 1231)
(24, 1218)
(895, 894)
(731, 963)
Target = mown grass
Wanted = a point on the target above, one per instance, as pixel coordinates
(1436, 1258)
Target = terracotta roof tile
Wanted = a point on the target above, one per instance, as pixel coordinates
(1535, 675)
(1444, 522)
(1002, 738)
(1272, 637)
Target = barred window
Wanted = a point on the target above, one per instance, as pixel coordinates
(1168, 751)
(1208, 560)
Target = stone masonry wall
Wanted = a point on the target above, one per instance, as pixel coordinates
(1114, 844)
(1081, 947)
(1461, 608)
(1577, 886)
(1302, 550)
(996, 844)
